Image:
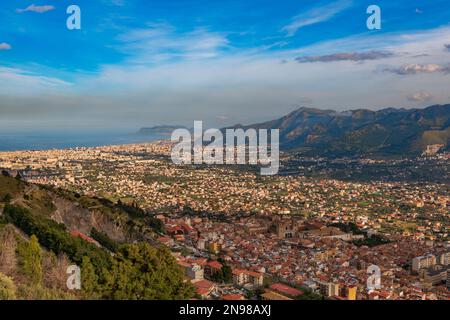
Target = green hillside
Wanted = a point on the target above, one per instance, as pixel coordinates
(117, 261)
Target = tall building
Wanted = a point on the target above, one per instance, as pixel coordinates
(422, 262)
(351, 293)
(214, 247)
(329, 289)
(444, 258)
(434, 274)
(448, 280)
(348, 292)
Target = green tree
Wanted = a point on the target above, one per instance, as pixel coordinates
(7, 288)
(224, 275)
(104, 240)
(7, 198)
(89, 279)
(55, 237)
(227, 274)
(142, 272)
(32, 260)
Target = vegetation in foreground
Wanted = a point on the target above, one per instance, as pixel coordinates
(35, 252)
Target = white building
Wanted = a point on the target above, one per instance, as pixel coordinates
(423, 262)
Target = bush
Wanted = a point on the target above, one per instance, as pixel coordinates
(54, 237)
(104, 240)
(142, 272)
(7, 288)
(7, 198)
(137, 271)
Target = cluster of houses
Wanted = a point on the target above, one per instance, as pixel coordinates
(201, 272)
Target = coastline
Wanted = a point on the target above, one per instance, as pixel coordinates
(64, 141)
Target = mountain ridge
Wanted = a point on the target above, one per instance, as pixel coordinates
(164, 130)
(388, 131)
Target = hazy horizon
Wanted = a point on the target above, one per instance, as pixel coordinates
(133, 64)
(86, 128)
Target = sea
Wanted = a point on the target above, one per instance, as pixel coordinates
(39, 140)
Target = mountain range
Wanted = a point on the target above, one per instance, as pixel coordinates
(389, 131)
(159, 130)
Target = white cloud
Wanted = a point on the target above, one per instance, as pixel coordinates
(246, 86)
(315, 15)
(5, 46)
(14, 80)
(415, 68)
(160, 42)
(38, 9)
(248, 82)
(346, 56)
(420, 97)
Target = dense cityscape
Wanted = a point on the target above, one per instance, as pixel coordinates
(238, 235)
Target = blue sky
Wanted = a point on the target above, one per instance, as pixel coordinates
(147, 62)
